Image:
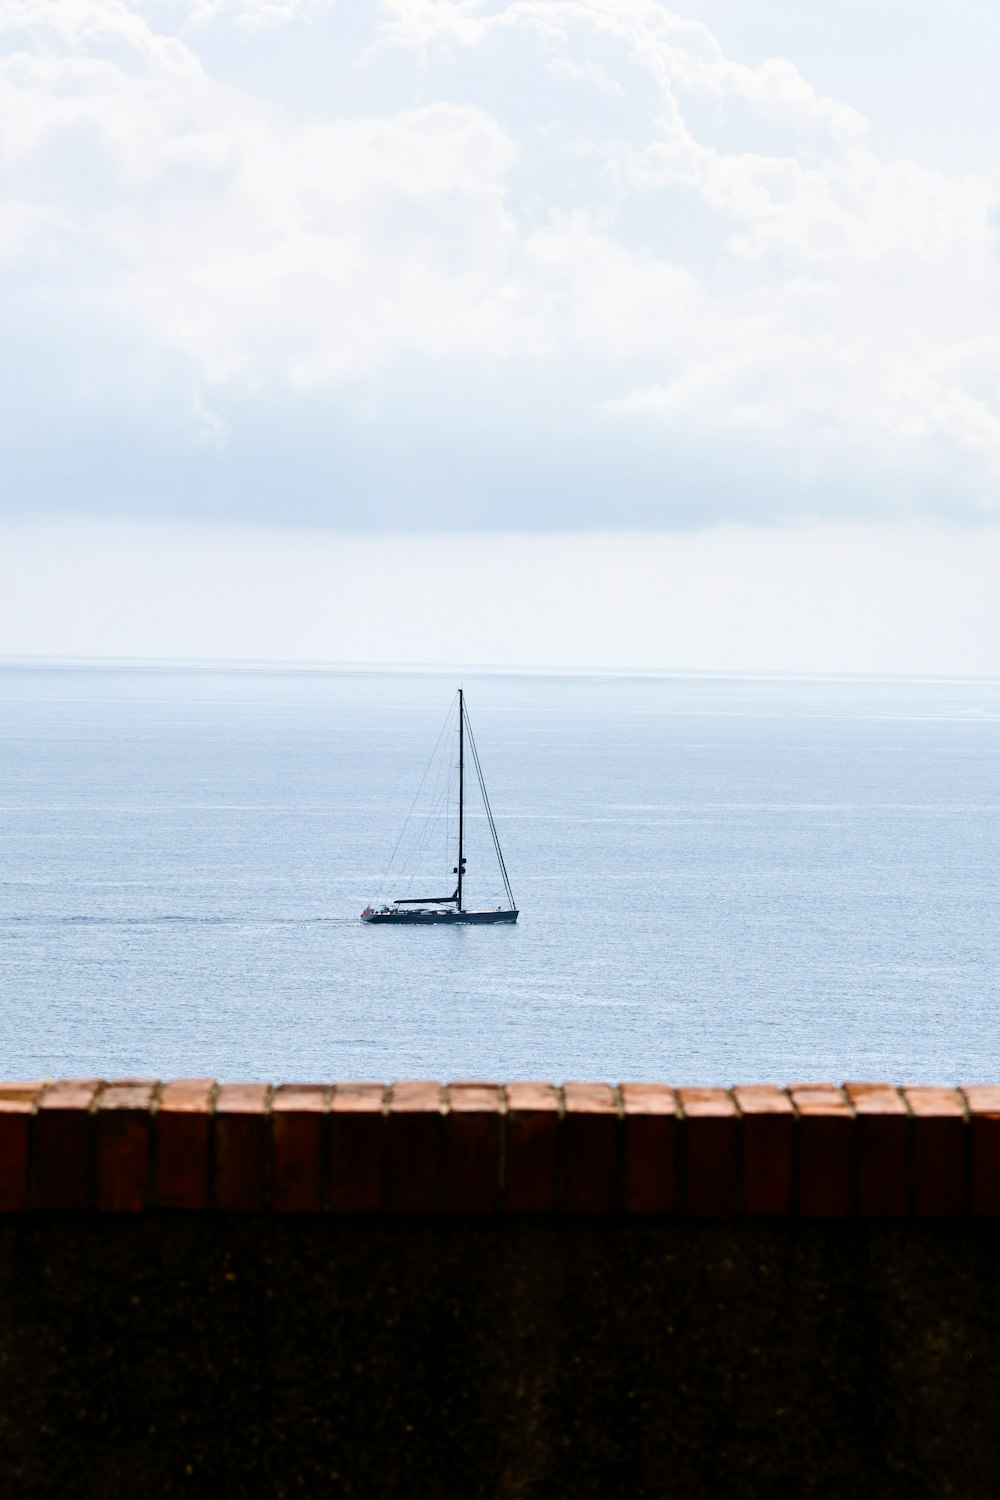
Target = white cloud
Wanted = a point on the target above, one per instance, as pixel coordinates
(258, 245)
(726, 251)
(213, 429)
(252, 15)
(584, 72)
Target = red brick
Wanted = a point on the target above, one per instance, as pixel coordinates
(649, 1168)
(711, 1144)
(356, 1124)
(590, 1148)
(881, 1150)
(183, 1122)
(826, 1131)
(17, 1105)
(62, 1144)
(123, 1146)
(983, 1100)
(473, 1147)
(298, 1122)
(240, 1147)
(767, 1134)
(414, 1146)
(531, 1147)
(939, 1140)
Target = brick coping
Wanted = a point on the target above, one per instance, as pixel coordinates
(810, 1150)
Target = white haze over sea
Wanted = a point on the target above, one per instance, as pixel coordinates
(917, 599)
(719, 879)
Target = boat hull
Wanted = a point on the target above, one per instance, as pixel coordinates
(439, 918)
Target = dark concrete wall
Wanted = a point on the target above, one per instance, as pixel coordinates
(265, 1355)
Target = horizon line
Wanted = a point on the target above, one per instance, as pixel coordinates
(481, 669)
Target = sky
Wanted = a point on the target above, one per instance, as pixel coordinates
(604, 305)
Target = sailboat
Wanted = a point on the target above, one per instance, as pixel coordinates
(446, 909)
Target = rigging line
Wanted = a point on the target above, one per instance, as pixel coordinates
(493, 831)
(451, 827)
(435, 821)
(489, 810)
(408, 849)
(413, 859)
(409, 815)
(449, 816)
(410, 870)
(485, 879)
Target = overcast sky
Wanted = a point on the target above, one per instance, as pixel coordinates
(544, 267)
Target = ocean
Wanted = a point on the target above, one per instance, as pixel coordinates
(720, 879)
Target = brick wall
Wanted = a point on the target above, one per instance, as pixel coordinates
(499, 1291)
(813, 1150)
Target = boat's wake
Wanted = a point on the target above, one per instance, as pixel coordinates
(168, 919)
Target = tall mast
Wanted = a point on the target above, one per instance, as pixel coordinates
(461, 790)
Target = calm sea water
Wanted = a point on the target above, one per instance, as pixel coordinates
(718, 880)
